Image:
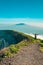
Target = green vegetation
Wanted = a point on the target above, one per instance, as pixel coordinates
(13, 49)
(41, 41)
(41, 49)
(7, 53)
(21, 41)
(41, 45)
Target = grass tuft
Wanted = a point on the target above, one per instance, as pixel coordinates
(13, 49)
(41, 49)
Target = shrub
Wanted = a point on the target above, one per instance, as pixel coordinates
(8, 53)
(41, 49)
(13, 49)
(2, 55)
(41, 41)
(23, 44)
(41, 44)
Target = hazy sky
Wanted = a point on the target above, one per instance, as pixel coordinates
(28, 21)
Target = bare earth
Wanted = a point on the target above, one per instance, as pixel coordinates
(28, 55)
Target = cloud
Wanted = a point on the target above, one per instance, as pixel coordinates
(29, 21)
(38, 24)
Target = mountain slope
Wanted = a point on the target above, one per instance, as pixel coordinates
(24, 51)
(8, 37)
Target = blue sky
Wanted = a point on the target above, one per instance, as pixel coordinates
(21, 8)
(13, 11)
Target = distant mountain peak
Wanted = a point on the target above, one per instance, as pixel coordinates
(21, 24)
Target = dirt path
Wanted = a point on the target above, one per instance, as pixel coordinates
(29, 55)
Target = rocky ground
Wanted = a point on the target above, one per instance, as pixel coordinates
(28, 55)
